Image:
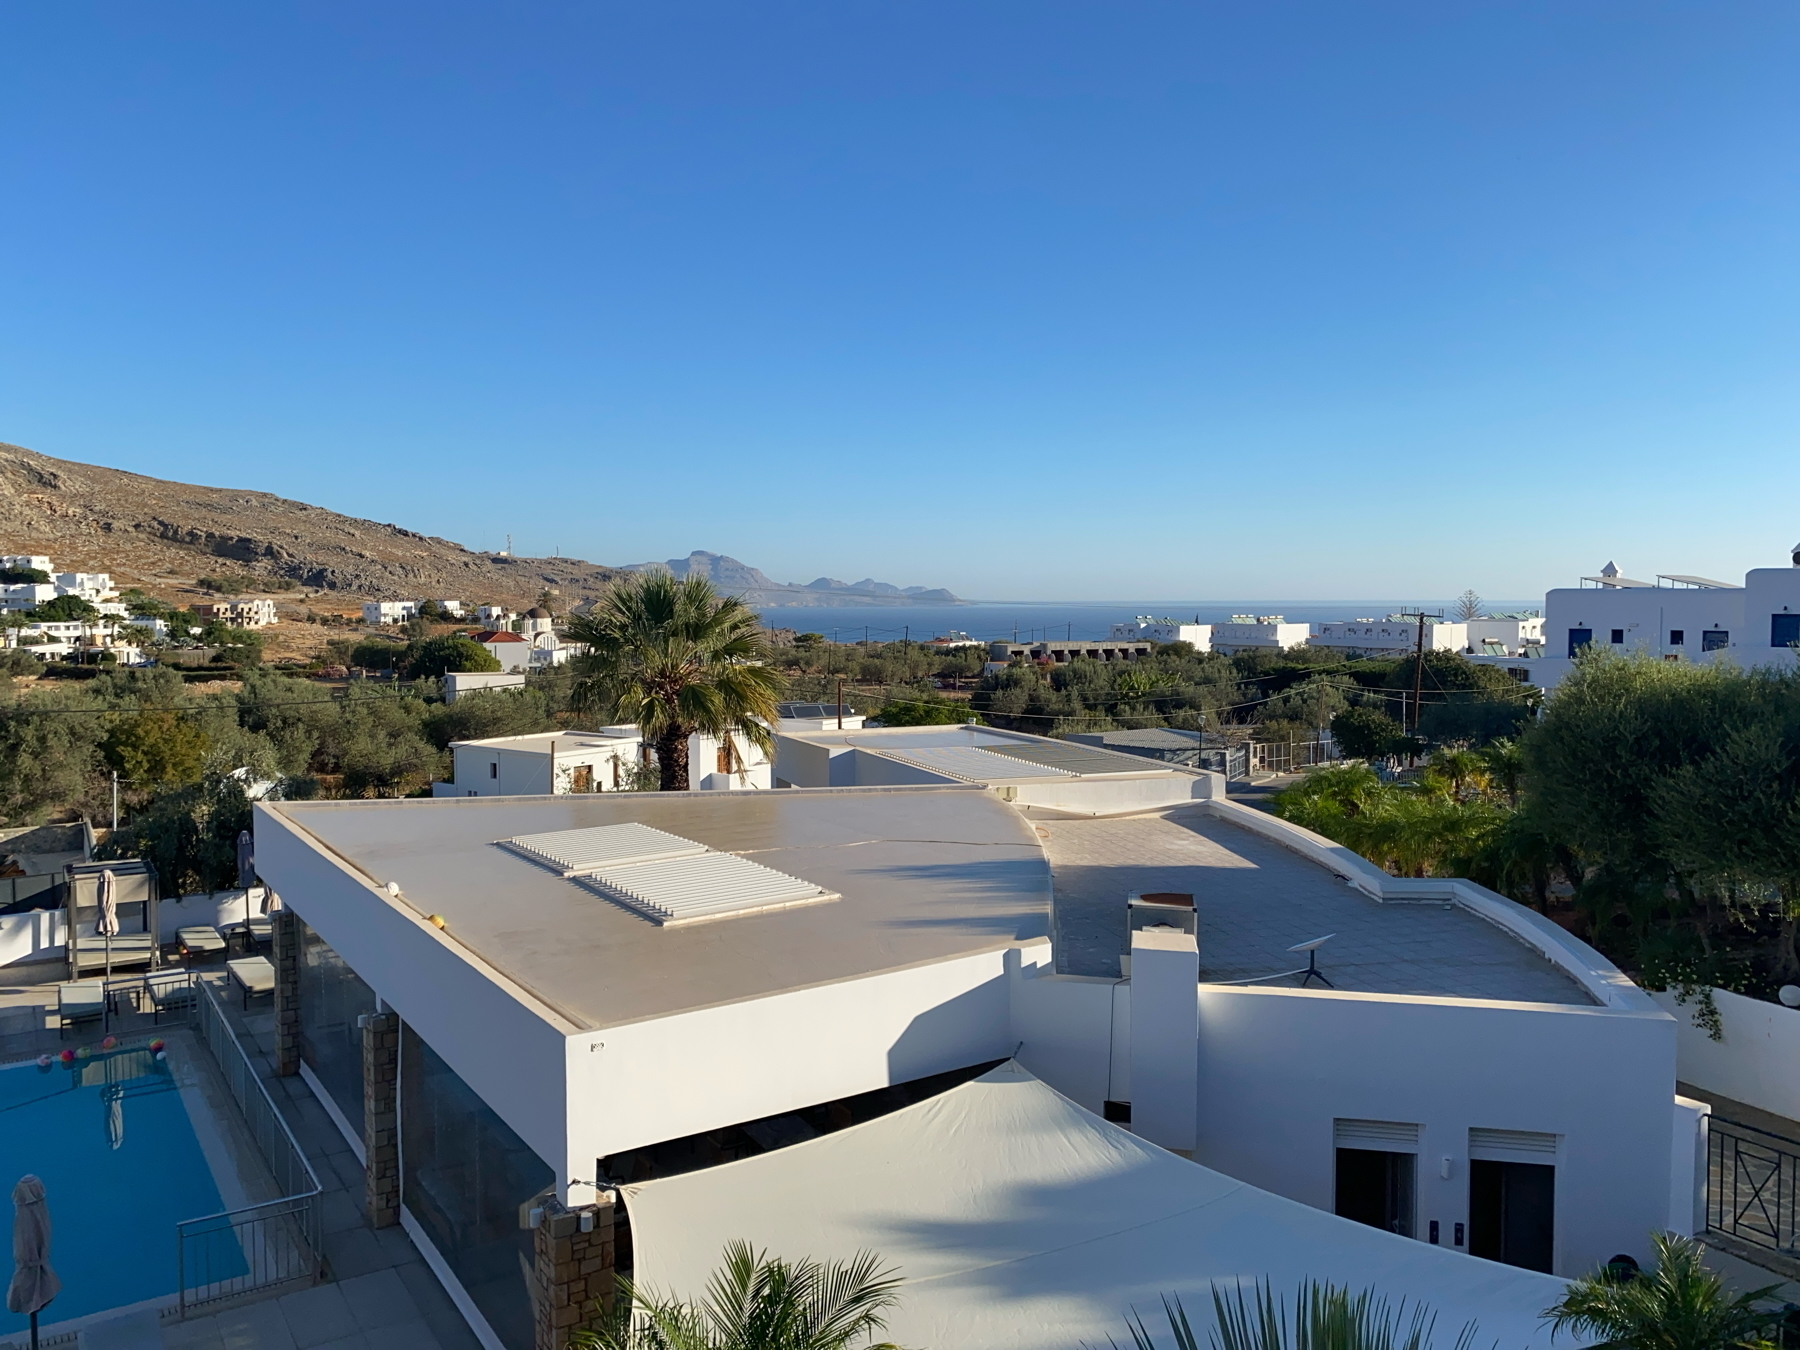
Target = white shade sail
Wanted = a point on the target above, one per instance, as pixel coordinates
(1017, 1220)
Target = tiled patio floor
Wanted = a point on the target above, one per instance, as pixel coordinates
(379, 1292)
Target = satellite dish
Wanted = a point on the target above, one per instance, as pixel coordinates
(1790, 995)
(1317, 943)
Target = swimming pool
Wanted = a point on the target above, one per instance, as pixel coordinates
(114, 1137)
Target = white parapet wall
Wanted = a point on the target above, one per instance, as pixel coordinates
(36, 935)
(1756, 1059)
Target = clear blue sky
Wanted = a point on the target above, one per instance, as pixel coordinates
(1032, 300)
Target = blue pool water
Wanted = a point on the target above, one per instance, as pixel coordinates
(121, 1165)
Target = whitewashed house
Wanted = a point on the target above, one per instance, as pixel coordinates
(1395, 635)
(557, 762)
(240, 613)
(25, 562)
(389, 611)
(90, 586)
(512, 650)
(17, 598)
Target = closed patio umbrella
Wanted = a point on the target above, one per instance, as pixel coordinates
(34, 1284)
(246, 860)
(108, 926)
(271, 901)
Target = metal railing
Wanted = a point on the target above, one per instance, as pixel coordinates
(1290, 756)
(1753, 1185)
(255, 1246)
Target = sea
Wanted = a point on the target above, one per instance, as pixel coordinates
(1030, 621)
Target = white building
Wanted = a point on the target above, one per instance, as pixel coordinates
(454, 608)
(1676, 617)
(90, 586)
(591, 992)
(1504, 634)
(242, 613)
(512, 650)
(1395, 635)
(537, 620)
(157, 630)
(496, 616)
(389, 611)
(56, 639)
(24, 562)
(1144, 628)
(25, 595)
(460, 682)
(1258, 632)
(556, 762)
(550, 763)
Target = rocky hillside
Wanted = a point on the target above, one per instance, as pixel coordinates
(160, 535)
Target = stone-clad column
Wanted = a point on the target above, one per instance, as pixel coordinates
(285, 926)
(573, 1272)
(381, 1118)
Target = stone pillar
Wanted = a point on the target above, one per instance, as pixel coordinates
(285, 926)
(381, 1118)
(1165, 1038)
(573, 1270)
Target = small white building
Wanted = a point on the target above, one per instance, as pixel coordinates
(24, 562)
(557, 762)
(19, 597)
(512, 650)
(1144, 628)
(157, 630)
(390, 611)
(1504, 634)
(1258, 632)
(1396, 635)
(460, 682)
(496, 616)
(240, 613)
(454, 608)
(549, 763)
(90, 586)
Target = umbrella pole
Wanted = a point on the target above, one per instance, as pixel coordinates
(34, 1344)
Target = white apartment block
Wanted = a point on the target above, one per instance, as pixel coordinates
(1395, 635)
(23, 596)
(1677, 617)
(1144, 628)
(24, 562)
(1258, 632)
(556, 763)
(90, 586)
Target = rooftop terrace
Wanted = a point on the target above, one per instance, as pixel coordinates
(1254, 899)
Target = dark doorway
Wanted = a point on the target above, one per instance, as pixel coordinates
(1579, 638)
(1376, 1187)
(1512, 1213)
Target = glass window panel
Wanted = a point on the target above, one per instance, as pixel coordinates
(332, 997)
(463, 1175)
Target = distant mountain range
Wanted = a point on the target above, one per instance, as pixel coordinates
(740, 579)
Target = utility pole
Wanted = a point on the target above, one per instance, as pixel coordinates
(115, 776)
(840, 684)
(1419, 617)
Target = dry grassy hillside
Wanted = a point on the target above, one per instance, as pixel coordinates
(160, 536)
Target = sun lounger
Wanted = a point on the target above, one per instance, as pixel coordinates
(254, 975)
(200, 940)
(80, 1001)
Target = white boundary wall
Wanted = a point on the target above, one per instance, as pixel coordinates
(1758, 1060)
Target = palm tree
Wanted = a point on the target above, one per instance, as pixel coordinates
(676, 658)
(1326, 1317)
(758, 1302)
(1680, 1306)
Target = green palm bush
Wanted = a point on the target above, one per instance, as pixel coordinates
(676, 658)
(758, 1302)
(1680, 1305)
(1326, 1317)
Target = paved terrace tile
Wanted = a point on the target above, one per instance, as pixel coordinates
(1255, 899)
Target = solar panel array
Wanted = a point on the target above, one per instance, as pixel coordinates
(665, 878)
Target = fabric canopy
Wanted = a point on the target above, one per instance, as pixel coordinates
(1019, 1220)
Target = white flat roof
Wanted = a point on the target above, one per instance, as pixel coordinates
(922, 875)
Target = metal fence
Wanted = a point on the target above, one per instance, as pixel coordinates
(1753, 1185)
(256, 1246)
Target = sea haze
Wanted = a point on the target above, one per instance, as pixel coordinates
(1074, 619)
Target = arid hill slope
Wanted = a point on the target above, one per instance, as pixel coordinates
(156, 534)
